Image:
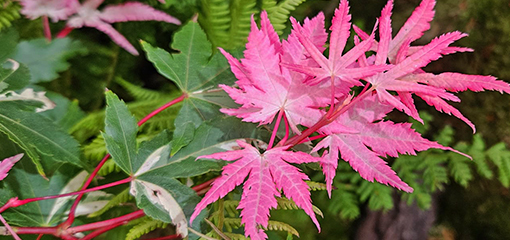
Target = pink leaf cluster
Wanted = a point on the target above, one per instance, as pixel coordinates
(268, 174)
(7, 164)
(295, 81)
(86, 14)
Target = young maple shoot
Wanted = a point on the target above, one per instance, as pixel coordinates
(292, 80)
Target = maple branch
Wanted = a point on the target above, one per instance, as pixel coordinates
(326, 119)
(46, 28)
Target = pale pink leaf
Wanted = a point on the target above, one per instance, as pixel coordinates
(425, 55)
(384, 34)
(55, 9)
(118, 38)
(293, 50)
(414, 27)
(442, 106)
(340, 26)
(266, 88)
(267, 173)
(458, 82)
(367, 163)
(134, 11)
(7, 164)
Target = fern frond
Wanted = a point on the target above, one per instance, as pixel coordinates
(235, 223)
(420, 195)
(232, 223)
(120, 198)
(378, 195)
(240, 12)
(500, 156)
(279, 13)
(281, 226)
(215, 20)
(477, 152)
(460, 169)
(95, 150)
(345, 203)
(287, 204)
(139, 93)
(8, 13)
(236, 236)
(109, 167)
(435, 174)
(231, 207)
(316, 186)
(144, 227)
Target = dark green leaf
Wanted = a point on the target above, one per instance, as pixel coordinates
(45, 59)
(9, 40)
(24, 182)
(197, 74)
(13, 76)
(120, 133)
(193, 69)
(42, 140)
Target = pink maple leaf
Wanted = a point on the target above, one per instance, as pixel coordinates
(266, 88)
(268, 174)
(88, 15)
(7, 164)
(54, 9)
(362, 139)
(338, 67)
(406, 76)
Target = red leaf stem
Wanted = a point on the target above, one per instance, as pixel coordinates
(46, 28)
(169, 104)
(281, 113)
(64, 32)
(70, 219)
(17, 203)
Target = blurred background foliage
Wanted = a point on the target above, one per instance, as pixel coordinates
(454, 198)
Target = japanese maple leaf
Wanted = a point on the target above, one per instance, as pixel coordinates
(54, 9)
(406, 76)
(266, 88)
(362, 139)
(7, 164)
(87, 15)
(337, 66)
(268, 174)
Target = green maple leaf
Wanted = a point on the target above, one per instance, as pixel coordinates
(197, 73)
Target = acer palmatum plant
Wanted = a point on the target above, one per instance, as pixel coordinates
(333, 99)
(86, 14)
(292, 81)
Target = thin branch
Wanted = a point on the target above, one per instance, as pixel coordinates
(46, 28)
